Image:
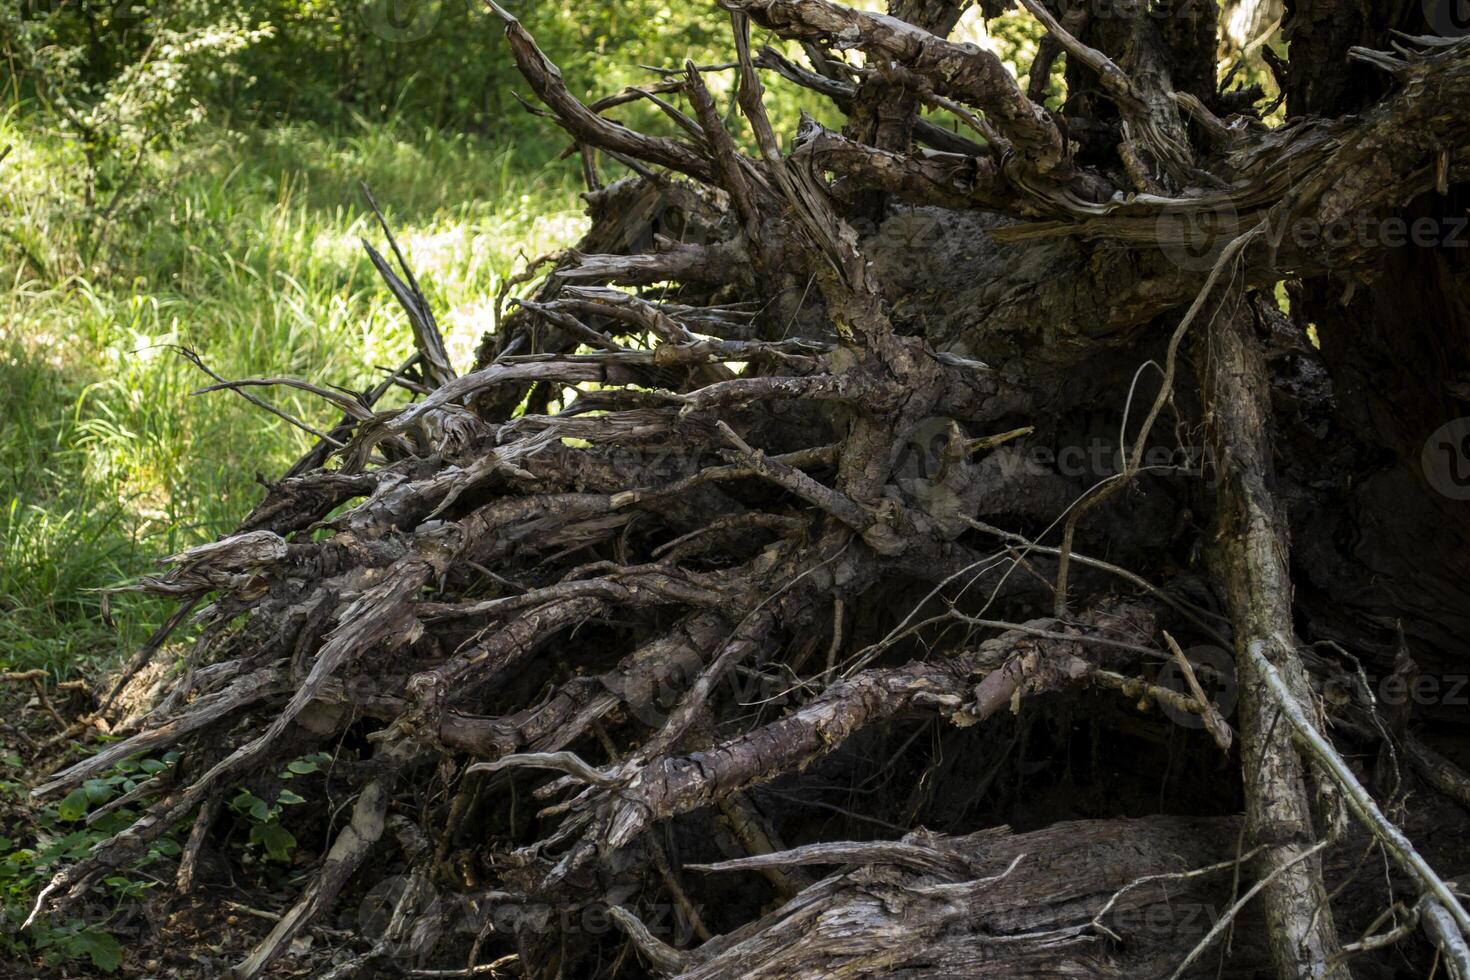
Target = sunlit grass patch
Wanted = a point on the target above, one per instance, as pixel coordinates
(249, 253)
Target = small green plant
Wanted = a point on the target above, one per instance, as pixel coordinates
(266, 833)
(306, 765)
(62, 833)
(76, 940)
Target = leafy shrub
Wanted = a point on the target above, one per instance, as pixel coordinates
(61, 833)
(122, 81)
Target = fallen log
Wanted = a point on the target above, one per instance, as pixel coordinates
(834, 506)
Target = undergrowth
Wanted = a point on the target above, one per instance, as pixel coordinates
(244, 248)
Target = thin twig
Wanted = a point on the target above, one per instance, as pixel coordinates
(1317, 748)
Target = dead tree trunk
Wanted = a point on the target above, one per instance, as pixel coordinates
(1251, 561)
(846, 497)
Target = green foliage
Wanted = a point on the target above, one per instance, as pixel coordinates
(59, 834)
(120, 81)
(305, 766)
(444, 62)
(267, 835)
(1017, 38)
(36, 840)
(441, 63)
(77, 940)
(252, 258)
(266, 831)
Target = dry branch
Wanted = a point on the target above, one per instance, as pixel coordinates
(741, 529)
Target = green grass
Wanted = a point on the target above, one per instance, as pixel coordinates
(244, 248)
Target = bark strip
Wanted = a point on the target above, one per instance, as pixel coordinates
(1249, 559)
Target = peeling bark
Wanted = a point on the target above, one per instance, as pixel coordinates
(837, 486)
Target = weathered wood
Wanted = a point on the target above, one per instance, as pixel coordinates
(1250, 553)
(737, 531)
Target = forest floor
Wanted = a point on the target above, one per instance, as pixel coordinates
(135, 928)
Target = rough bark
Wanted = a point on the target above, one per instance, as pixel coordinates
(839, 484)
(1251, 558)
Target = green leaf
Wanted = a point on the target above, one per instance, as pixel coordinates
(74, 807)
(287, 797)
(97, 790)
(72, 845)
(114, 821)
(244, 801)
(260, 811)
(99, 946)
(301, 767)
(153, 766)
(276, 840)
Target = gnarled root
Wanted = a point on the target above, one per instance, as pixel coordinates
(745, 570)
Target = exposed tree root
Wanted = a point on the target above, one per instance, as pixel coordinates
(1251, 558)
(750, 568)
